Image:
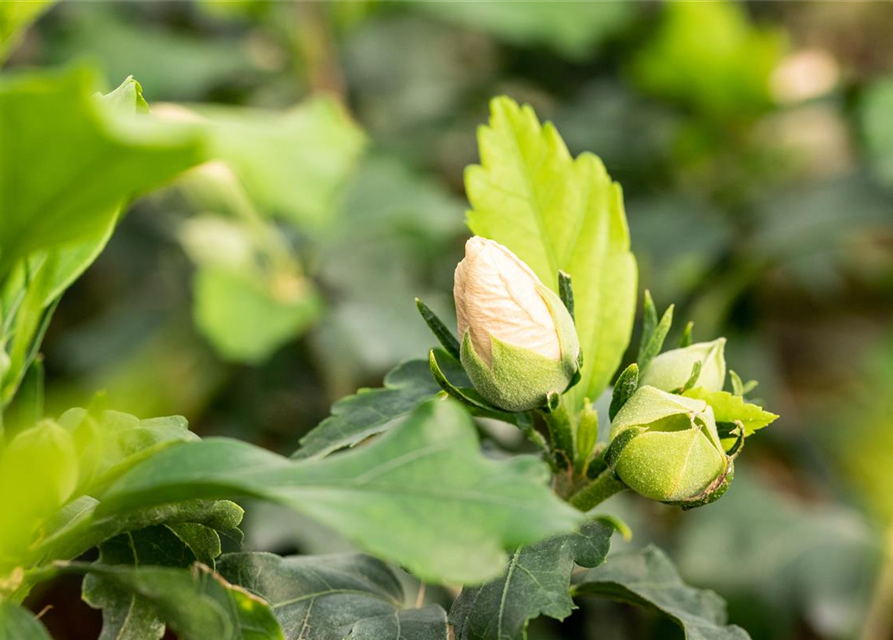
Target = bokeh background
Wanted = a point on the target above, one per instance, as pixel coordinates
(754, 143)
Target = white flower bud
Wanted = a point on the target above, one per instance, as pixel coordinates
(518, 340)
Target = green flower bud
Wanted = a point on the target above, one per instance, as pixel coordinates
(518, 342)
(670, 449)
(671, 370)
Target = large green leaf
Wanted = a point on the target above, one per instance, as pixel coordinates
(17, 623)
(196, 603)
(371, 411)
(575, 31)
(422, 486)
(332, 597)
(558, 213)
(66, 166)
(536, 582)
(15, 17)
(292, 163)
(648, 578)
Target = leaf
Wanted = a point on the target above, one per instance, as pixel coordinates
(576, 31)
(292, 163)
(732, 408)
(91, 166)
(653, 332)
(197, 603)
(15, 17)
(17, 623)
(648, 579)
(536, 582)
(372, 411)
(247, 317)
(126, 615)
(558, 213)
(428, 623)
(424, 485)
(317, 597)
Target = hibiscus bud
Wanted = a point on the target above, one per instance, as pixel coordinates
(671, 370)
(519, 344)
(670, 450)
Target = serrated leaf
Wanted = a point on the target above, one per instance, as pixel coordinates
(732, 408)
(648, 579)
(371, 411)
(17, 623)
(424, 485)
(196, 603)
(536, 582)
(126, 615)
(317, 597)
(558, 213)
(90, 168)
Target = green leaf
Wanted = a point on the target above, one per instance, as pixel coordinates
(247, 317)
(558, 213)
(576, 31)
(648, 579)
(732, 408)
(91, 167)
(17, 623)
(536, 582)
(126, 615)
(372, 411)
(624, 387)
(424, 485)
(292, 163)
(653, 333)
(15, 17)
(197, 603)
(317, 597)
(428, 623)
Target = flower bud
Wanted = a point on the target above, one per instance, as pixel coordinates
(670, 450)
(519, 344)
(671, 370)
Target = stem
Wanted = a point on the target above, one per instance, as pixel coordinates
(600, 489)
(879, 618)
(561, 434)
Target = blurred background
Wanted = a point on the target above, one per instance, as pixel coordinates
(754, 143)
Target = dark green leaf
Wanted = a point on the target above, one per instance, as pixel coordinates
(317, 597)
(648, 578)
(429, 623)
(371, 411)
(17, 623)
(196, 603)
(536, 582)
(424, 485)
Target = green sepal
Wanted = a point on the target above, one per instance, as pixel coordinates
(685, 339)
(654, 333)
(672, 369)
(693, 378)
(626, 385)
(444, 336)
(469, 397)
(566, 292)
(619, 443)
(711, 494)
(740, 388)
(587, 436)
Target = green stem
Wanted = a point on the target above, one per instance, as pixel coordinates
(600, 489)
(561, 434)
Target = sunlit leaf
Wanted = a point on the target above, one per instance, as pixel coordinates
(558, 213)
